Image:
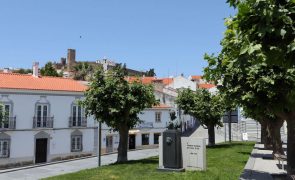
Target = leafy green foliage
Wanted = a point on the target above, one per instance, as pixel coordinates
(3, 114)
(114, 101)
(49, 70)
(23, 71)
(83, 71)
(256, 67)
(150, 73)
(172, 124)
(206, 107)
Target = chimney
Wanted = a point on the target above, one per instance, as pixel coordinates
(71, 58)
(7, 70)
(36, 69)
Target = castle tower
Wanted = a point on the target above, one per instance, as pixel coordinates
(71, 58)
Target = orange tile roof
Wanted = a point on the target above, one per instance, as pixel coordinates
(161, 106)
(166, 81)
(144, 80)
(149, 80)
(206, 86)
(196, 77)
(28, 82)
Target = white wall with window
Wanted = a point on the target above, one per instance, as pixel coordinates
(158, 117)
(76, 141)
(44, 108)
(77, 118)
(4, 115)
(4, 145)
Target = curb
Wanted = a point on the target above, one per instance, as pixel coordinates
(63, 161)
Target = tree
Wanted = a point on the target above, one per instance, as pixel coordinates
(117, 103)
(257, 64)
(206, 107)
(83, 71)
(23, 71)
(49, 70)
(172, 124)
(3, 115)
(150, 73)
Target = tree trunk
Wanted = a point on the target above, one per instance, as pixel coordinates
(275, 128)
(211, 135)
(268, 142)
(123, 144)
(265, 135)
(291, 146)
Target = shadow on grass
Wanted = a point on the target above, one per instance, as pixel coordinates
(151, 160)
(245, 153)
(230, 145)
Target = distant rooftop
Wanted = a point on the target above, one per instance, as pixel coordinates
(29, 82)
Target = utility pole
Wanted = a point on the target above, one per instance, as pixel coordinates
(105, 68)
(99, 145)
(229, 126)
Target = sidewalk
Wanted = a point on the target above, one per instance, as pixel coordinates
(72, 166)
(261, 165)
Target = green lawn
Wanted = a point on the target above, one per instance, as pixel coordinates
(225, 161)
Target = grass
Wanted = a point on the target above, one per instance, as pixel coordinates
(224, 161)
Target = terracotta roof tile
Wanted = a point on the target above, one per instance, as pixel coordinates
(196, 77)
(24, 81)
(144, 80)
(149, 80)
(206, 86)
(167, 81)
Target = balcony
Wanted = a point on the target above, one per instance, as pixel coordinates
(8, 123)
(42, 122)
(77, 122)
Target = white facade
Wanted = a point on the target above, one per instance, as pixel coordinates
(150, 127)
(180, 82)
(54, 129)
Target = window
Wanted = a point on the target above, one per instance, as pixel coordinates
(158, 117)
(4, 115)
(4, 148)
(42, 115)
(76, 143)
(77, 114)
(145, 139)
(156, 138)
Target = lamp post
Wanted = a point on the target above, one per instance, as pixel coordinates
(99, 145)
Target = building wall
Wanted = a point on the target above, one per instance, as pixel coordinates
(182, 82)
(22, 138)
(147, 116)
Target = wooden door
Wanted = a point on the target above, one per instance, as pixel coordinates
(41, 150)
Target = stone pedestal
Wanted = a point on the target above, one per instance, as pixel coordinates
(193, 153)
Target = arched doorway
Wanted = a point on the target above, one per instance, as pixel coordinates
(41, 147)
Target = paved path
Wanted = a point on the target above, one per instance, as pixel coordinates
(203, 133)
(261, 165)
(72, 166)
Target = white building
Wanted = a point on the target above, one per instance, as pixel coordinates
(180, 82)
(43, 122)
(154, 122)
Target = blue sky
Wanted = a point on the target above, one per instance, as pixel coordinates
(168, 35)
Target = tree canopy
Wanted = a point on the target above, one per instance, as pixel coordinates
(83, 71)
(114, 101)
(256, 64)
(48, 70)
(206, 107)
